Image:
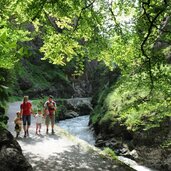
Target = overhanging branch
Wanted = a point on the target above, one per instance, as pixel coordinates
(79, 17)
(114, 18)
(152, 24)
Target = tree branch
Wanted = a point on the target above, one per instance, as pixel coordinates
(53, 24)
(114, 17)
(79, 17)
(145, 40)
(40, 9)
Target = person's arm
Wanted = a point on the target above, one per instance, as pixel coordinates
(31, 109)
(21, 111)
(34, 114)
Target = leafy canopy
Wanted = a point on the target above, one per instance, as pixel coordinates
(123, 32)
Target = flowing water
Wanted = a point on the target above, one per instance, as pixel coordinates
(79, 127)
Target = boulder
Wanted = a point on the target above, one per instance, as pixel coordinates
(71, 114)
(11, 157)
(82, 106)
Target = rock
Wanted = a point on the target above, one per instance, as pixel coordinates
(134, 154)
(100, 143)
(155, 157)
(70, 114)
(80, 105)
(11, 157)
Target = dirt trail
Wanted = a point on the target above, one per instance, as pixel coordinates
(60, 152)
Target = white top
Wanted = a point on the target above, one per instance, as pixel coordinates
(39, 118)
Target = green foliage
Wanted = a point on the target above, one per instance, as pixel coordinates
(39, 104)
(10, 50)
(130, 104)
(123, 32)
(28, 78)
(109, 152)
(3, 117)
(5, 82)
(166, 144)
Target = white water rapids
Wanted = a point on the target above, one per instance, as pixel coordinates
(79, 127)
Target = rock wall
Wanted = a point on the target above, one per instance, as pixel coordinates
(146, 147)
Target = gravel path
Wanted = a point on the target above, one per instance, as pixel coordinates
(62, 151)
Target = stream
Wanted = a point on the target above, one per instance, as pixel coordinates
(79, 127)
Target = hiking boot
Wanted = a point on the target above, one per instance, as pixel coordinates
(47, 131)
(17, 135)
(53, 131)
(27, 133)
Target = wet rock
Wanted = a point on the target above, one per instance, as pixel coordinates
(134, 154)
(71, 114)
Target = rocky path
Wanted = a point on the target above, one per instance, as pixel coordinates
(62, 151)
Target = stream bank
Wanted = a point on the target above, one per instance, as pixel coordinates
(139, 146)
(79, 127)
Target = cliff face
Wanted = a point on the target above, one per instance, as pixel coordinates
(38, 78)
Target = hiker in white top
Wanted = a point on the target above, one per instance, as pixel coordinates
(39, 121)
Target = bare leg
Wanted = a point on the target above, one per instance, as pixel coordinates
(24, 127)
(40, 125)
(47, 123)
(27, 130)
(47, 129)
(52, 123)
(52, 126)
(17, 134)
(36, 127)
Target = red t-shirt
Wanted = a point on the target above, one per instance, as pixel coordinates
(26, 108)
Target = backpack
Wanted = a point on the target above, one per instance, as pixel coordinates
(49, 105)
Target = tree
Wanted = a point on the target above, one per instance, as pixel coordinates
(124, 32)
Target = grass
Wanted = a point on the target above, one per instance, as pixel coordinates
(109, 152)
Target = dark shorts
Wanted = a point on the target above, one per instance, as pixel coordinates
(26, 119)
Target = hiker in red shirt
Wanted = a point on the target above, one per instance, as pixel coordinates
(26, 110)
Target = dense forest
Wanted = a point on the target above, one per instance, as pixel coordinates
(121, 48)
